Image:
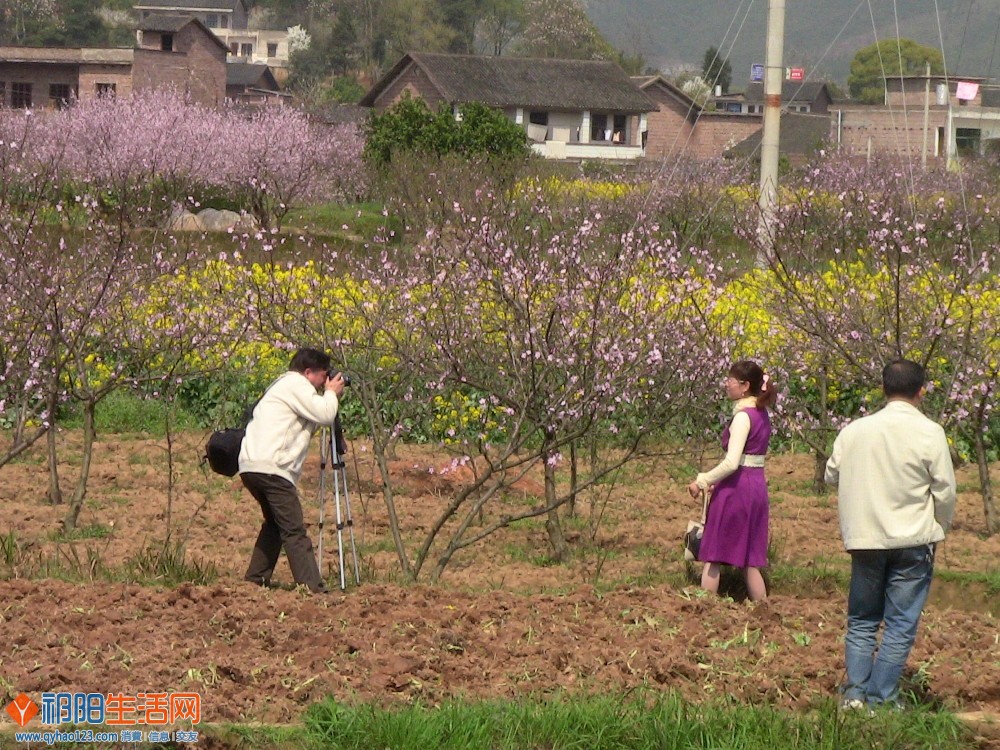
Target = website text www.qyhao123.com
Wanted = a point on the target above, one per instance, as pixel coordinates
(53, 736)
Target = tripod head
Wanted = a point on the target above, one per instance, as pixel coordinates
(338, 436)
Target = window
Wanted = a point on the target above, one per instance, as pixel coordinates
(3, 93)
(599, 128)
(234, 48)
(246, 50)
(224, 22)
(20, 95)
(60, 95)
(106, 90)
(167, 42)
(967, 140)
(620, 134)
(538, 118)
(212, 20)
(272, 49)
(734, 107)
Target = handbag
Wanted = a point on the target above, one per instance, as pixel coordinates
(695, 531)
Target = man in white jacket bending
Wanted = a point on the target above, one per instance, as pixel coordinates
(896, 500)
(271, 458)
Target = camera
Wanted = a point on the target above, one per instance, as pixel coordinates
(331, 374)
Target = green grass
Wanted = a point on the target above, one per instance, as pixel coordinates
(364, 220)
(93, 531)
(124, 412)
(654, 722)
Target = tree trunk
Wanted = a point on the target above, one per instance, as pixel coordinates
(574, 479)
(80, 493)
(819, 471)
(55, 491)
(982, 462)
(390, 505)
(557, 539)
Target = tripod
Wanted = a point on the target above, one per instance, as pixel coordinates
(333, 447)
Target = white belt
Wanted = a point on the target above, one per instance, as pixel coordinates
(753, 461)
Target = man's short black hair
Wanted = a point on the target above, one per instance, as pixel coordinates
(902, 377)
(309, 359)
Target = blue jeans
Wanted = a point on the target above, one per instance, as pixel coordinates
(890, 586)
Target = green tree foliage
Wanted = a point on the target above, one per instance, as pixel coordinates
(411, 126)
(890, 57)
(716, 70)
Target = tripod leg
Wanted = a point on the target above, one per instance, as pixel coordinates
(340, 525)
(349, 519)
(322, 496)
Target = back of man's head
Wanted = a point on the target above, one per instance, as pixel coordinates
(309, 359)
(902, 378)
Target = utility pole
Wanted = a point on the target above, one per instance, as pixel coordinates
(927, 109)
(774, 74)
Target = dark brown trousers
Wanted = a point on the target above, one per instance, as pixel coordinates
(283, 526)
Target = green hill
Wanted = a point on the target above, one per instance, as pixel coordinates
(820, 35)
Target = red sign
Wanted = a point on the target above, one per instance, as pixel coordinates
(795, 74)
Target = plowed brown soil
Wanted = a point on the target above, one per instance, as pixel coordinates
(499, 623)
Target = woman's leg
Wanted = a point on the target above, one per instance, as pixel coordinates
(710, 577)
(756, 588)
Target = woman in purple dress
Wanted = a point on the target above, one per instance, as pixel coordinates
(736, 526)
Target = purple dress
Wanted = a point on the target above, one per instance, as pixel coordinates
(736, 527)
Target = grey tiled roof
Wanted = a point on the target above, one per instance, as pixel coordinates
(244, 74)
(165, 23)
(799, 91)
(524, 82)
(800, 134)
(186, 4)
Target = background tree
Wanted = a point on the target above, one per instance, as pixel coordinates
(500, 23)
(890, 57)
(561, 29)
(19, 18)
(716, 70)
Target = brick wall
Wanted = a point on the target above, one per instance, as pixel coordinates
(715, 132)
(887, 131)
(414, 80)
(91, 76)
(197, 67)
(39, 76)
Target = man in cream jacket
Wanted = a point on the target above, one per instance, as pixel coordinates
(271, 458)
(896, 500)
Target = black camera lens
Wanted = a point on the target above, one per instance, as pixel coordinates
(331, 374)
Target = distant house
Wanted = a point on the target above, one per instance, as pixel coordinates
(796, 96)
(171, 52)
(569, 108)
(228, 20)
(215, 14)
(680, 126)
(250, 83)
(963, 119)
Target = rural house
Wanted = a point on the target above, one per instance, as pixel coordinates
(214, 14)
(171, 52)
(680, 126)
(578, 109)
(796, 96)
(253, 83)
(962, 119)
(228, 20)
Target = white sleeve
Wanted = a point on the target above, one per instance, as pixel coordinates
(308, 403)
(739, 431)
